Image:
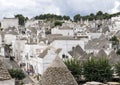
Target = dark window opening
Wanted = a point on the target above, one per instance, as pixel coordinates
(64, 56)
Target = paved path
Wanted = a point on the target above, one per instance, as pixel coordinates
(12, 64)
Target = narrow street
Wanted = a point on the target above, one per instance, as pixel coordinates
(12, 64)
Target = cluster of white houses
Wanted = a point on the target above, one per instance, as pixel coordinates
(35, 50)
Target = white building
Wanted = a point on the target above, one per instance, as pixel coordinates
(66, 43)
(94, 35)
(65, 31)
(34, 23)
(10, 37)
(9, 22)
(39, 63)
(17, 49)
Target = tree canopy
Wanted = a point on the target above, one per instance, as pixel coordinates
(75, 67)
(52, 17)
(92, 69)
(58, 23)
(21, 19)
(77, 17)
(98, 16)
(118, 52)
(97, 70)
(117, 68)
(17, 74)
(115, 40)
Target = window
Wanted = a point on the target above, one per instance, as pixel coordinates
(31, 56)
(64, 56)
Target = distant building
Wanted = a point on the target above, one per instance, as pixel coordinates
(9, 22)
(34, 23)
(65, 31)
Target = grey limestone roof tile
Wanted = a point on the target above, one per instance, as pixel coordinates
(113, 57)
(101, 53)
(77, 52)
(4, 74)
(97, 44)
(58, 74)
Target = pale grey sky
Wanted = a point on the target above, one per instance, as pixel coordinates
(30, 8)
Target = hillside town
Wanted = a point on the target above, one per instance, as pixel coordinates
(40, 47)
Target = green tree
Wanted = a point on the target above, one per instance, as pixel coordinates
(66, 17)
(97, 70)
(58, 23)
(92, 14)
(51, 17)
(114, 40)
(118, 52)
(17, 74)
(106, 16)
(75, 67)
(117, 68)
(21, 19)
(99, 13)
(77, 17)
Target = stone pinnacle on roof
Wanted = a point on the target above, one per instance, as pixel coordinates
(58, 74)
(57, 62)
(113, 57)
(101, 53)
(77, 52)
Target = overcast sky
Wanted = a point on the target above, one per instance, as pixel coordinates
(30, 8)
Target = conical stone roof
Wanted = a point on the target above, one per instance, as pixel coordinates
(4, 74)
(58, 74)
(113, 57)
(101, 53)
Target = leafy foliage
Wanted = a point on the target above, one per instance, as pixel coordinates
(75, 67)
(97, 70)
(117, 67)
(21, 18)
(17, 74)
(99, 16)
(99, 13)
(52, 17)
(118, 52)
(58, 23)
(114, 40)
(77, 17)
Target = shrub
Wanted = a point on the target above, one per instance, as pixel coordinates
(97, 70)
(17, 74)
(75, 67)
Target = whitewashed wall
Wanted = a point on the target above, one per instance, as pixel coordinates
(9, 38)
(66, 45)
(9, 22)
(8, 82)
(64, 32)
